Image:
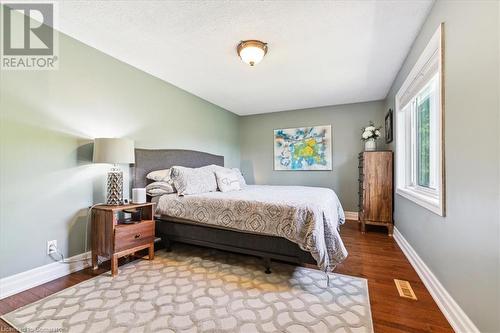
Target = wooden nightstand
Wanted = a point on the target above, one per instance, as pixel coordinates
(112, 239)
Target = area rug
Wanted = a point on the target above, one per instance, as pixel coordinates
(199, 290)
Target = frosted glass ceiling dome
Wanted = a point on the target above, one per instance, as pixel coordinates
(252, 51)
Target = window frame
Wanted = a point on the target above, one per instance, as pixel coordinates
(406, 132)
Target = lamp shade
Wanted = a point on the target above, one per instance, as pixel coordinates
(113, 151)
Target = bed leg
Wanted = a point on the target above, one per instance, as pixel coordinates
(166, 243)
(267, 265)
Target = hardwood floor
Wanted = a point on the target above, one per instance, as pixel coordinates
(374, 256)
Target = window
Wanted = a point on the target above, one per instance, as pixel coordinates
(419, 145)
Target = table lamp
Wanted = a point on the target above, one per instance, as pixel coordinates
(114, 151)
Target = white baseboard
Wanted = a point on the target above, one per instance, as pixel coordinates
(14, 284)
(351, 216)
(457, 318)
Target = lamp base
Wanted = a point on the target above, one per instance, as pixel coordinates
(114, 187)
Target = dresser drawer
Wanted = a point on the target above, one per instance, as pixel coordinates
(132, 235)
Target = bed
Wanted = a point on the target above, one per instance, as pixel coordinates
(290, 223)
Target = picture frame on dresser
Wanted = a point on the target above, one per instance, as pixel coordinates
(388, 126)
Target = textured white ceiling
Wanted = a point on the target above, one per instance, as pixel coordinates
(320, 52)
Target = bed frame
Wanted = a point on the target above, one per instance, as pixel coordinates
(175, 230)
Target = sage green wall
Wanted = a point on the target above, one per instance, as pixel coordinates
(462, 249)
(47, 120)
(256, 143)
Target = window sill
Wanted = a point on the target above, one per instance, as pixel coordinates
(427, 201)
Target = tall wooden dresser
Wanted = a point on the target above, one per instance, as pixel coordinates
(376, 189)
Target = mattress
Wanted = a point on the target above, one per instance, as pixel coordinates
(307, 216)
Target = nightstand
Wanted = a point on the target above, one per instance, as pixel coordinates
(113, 239)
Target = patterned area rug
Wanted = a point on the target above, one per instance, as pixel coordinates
(199, 290)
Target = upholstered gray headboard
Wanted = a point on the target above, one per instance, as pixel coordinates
(147, 160)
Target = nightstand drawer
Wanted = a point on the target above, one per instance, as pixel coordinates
(132, 235)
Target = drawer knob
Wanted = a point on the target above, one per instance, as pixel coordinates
(137, 236)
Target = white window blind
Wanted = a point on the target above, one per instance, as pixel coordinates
(422, 77)
(419, 131)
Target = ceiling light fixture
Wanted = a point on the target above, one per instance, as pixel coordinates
(252, 51)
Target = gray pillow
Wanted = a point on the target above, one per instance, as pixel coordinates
(193, 181)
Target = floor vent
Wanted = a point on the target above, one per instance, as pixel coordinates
(404, 289)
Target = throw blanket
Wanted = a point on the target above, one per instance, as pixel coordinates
(308, 216)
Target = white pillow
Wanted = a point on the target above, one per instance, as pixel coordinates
(156, 192)
(227, 180)
(159, 175)
(193, 181)
(216, 168)
(241, 179)
(159, 188)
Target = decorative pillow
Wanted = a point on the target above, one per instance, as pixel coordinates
(241, 179)
(156, 192)
(227, 180)
(159, 175)
(216, 168)
(159, 188)
(193, 181)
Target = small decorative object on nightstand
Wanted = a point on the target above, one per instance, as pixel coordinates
(111, 238)
(138, 195)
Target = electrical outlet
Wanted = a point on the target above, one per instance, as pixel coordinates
(51, 246)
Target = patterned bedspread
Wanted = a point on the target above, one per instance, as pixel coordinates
(308, 216)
